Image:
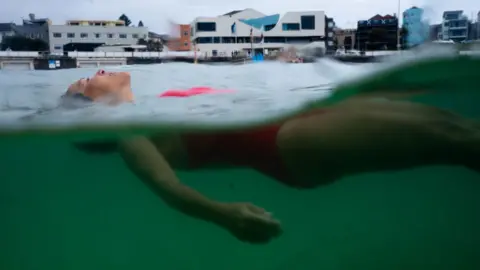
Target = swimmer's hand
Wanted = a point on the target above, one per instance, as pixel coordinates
(250, 223)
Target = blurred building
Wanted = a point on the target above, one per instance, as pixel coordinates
(32, 27)
(249, 31)
(86, 35)
(180, 38)
(474, 29)
(416, 29)
(455, 26)
(377, 33)
(345, 38)
(6, 30)
(435, 31)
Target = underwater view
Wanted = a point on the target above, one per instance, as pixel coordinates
(64, 207)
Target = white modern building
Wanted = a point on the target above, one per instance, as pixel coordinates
(244, 30)
(454, 26)
(85, 35)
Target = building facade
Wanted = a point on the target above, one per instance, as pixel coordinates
(86, 35)
(454, 26)
(435, 32)
(31, 28)
(330, 35)
(180, 41)
(416, 29)
(478, 26)
(345, 38)
(34, 28)
(6, 29)
(474, 29)
(247, 30)
(378, 33)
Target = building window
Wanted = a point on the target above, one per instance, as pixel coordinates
(308, 22)
(122, 35)
(83, 35)
(269, 27)
(185, 44)
(57, 35)
(109, 35)
(58, 47)
(204, 40)
(206, 27)
(185, 33)
(70, 35)
(97, 35)
(134, 35)
(290, 26)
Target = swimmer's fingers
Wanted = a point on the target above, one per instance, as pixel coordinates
(261, 215)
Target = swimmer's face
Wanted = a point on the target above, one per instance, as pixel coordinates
(110, 86)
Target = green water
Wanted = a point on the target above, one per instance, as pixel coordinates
(64, 209)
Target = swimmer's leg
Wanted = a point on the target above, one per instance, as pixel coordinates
(328, 146)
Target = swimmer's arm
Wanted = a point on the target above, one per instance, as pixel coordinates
(149, 164)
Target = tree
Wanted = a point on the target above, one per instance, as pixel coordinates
(140, 24)
(155, 46)
(152, 45)
(142, 41)
(21, 43)
(124, 18)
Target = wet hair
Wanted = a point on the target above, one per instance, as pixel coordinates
(74, 101)
(79, 100)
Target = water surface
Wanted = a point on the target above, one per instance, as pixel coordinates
(64, 209)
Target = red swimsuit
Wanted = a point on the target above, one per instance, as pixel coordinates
(255, 148)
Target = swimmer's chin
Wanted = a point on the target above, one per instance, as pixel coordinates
(113, 100)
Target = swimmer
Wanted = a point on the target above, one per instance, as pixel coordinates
(303, 151)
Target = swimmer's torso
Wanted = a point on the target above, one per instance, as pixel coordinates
(253, 148)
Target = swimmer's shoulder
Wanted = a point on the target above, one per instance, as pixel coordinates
(170, 145)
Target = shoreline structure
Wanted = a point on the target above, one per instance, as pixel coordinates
(38, 61)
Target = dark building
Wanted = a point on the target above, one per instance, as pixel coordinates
(435, 30)
(329, 35)
(377, 33)
(473, 31)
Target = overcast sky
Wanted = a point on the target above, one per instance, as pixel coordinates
(156, 13)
